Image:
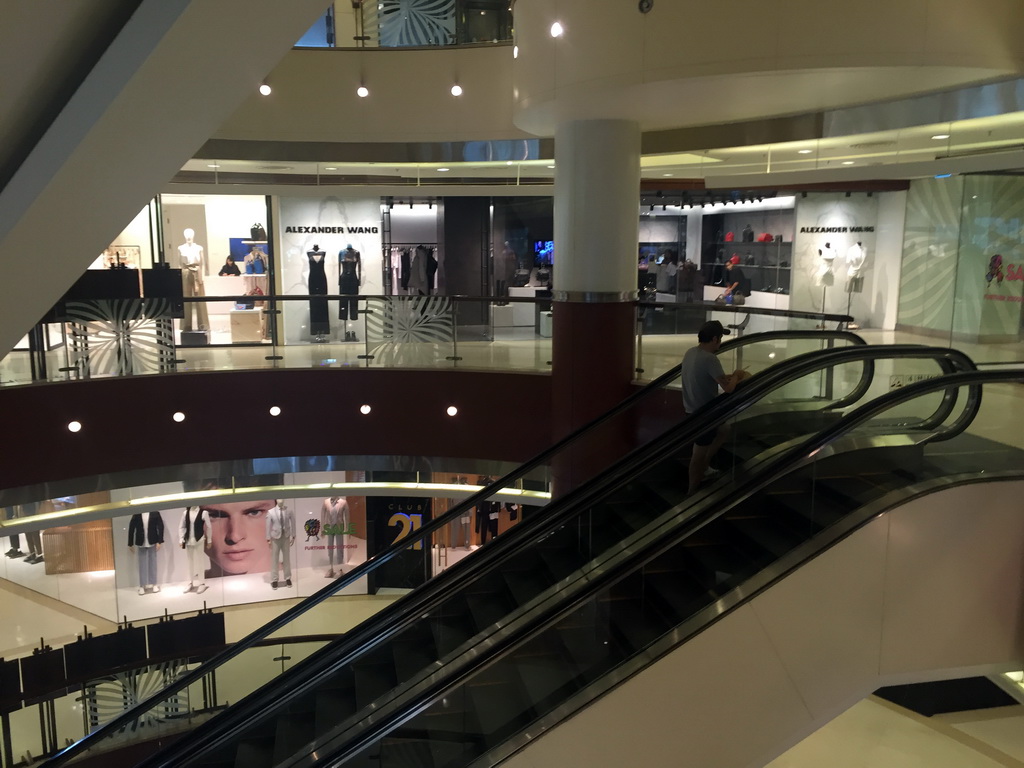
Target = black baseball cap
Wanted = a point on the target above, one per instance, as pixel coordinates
(710, 330)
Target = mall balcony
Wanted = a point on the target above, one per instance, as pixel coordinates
(402, 307)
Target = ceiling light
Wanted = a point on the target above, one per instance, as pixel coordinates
(365, 409)
(362, 91)
(74, 426)
(213, 165)
(667, 174)
(508, 162)
(178, 416)
(275, 410)
(557, 29)
(551, 166)
(330, 168)
(943, 175)
(443, 170)
(847, 162)
(264, 89)
(452, 410)
(940, 136)
(515, 51)
(804, 151)
(456, 90)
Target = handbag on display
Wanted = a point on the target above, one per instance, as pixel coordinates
(729, 237)
(257, 232)
(765, 238)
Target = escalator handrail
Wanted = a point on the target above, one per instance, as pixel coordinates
(126, 717)
(715, 505)
(439, 589)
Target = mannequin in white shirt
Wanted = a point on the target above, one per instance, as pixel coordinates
(280, 537)
(190, 254)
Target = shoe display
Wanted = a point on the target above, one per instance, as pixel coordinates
(10, 552)
(201, 588)
(15, 554)
(155, 587)
(273, 585)
(191, 588)
(142, 590)
(33, 559)
(329, 575)
(287, 582)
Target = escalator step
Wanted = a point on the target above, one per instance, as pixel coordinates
(449, 632)
(638, 625)
(333, 707)
(255, 753)
(718, 568)
(372, 681)
(292, 733)
(525, 585)
(498, 701)
(681, 596)
(766, 535)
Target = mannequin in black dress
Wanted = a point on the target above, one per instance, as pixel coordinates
(349, 279)
(319, 322)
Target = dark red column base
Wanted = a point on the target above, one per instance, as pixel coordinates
(593, 365)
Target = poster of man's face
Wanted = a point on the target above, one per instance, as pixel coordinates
(238, 542)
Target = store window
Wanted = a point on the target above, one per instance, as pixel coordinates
(222, 247)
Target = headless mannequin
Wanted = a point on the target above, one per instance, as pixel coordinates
(855, 258)
(280, 527)
(334, 523)
(319, 317)
(350, 277)
(190, 254)
(145, 535)
(194, 537)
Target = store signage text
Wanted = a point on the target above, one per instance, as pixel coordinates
(833, 230)
(332, 230)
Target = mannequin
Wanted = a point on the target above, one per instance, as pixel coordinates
(350, 277)
(334, 523)
(855, 258)
(319, 321)
(191, 255)
(145, 535)
(418, 272)
(504, 268)
(194, 537)
(747, 236)
(280, 538)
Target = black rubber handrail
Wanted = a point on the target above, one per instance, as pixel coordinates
(411, 607)
(125, 719)
(501, 641)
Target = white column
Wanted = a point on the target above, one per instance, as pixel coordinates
(597, 188)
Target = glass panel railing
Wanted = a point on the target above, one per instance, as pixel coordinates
(529, 565)
(395, 569)
(665, 331)
(688, 568)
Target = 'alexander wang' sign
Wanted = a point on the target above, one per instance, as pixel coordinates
(833, 230)
(332, 230)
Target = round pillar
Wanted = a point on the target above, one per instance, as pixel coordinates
(597, 183)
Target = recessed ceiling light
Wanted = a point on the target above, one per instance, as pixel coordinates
(275, 410)
(365, 409)
(508, 162)
(452, 410)
(847, 162)
(668, 174)
(74, 426)
(443, 170)
(456, 90)
(178, 417)
(264, 89)
(515, 51)
(557, 29)
(940, 136)
(330, 167)
(362, 91)
(804, 151)
(551, 166)
(213, 165)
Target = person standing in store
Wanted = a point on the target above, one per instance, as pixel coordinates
(702, 377)
(735, 282)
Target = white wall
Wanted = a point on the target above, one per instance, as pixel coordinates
(136, 233)
(832, 210)
(293, 265)
(879, 304)
(932, 589)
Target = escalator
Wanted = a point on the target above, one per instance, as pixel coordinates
(465, 666)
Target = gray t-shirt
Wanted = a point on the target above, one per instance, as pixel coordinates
(700, 372)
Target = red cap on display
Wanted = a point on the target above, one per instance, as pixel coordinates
(734, 260)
